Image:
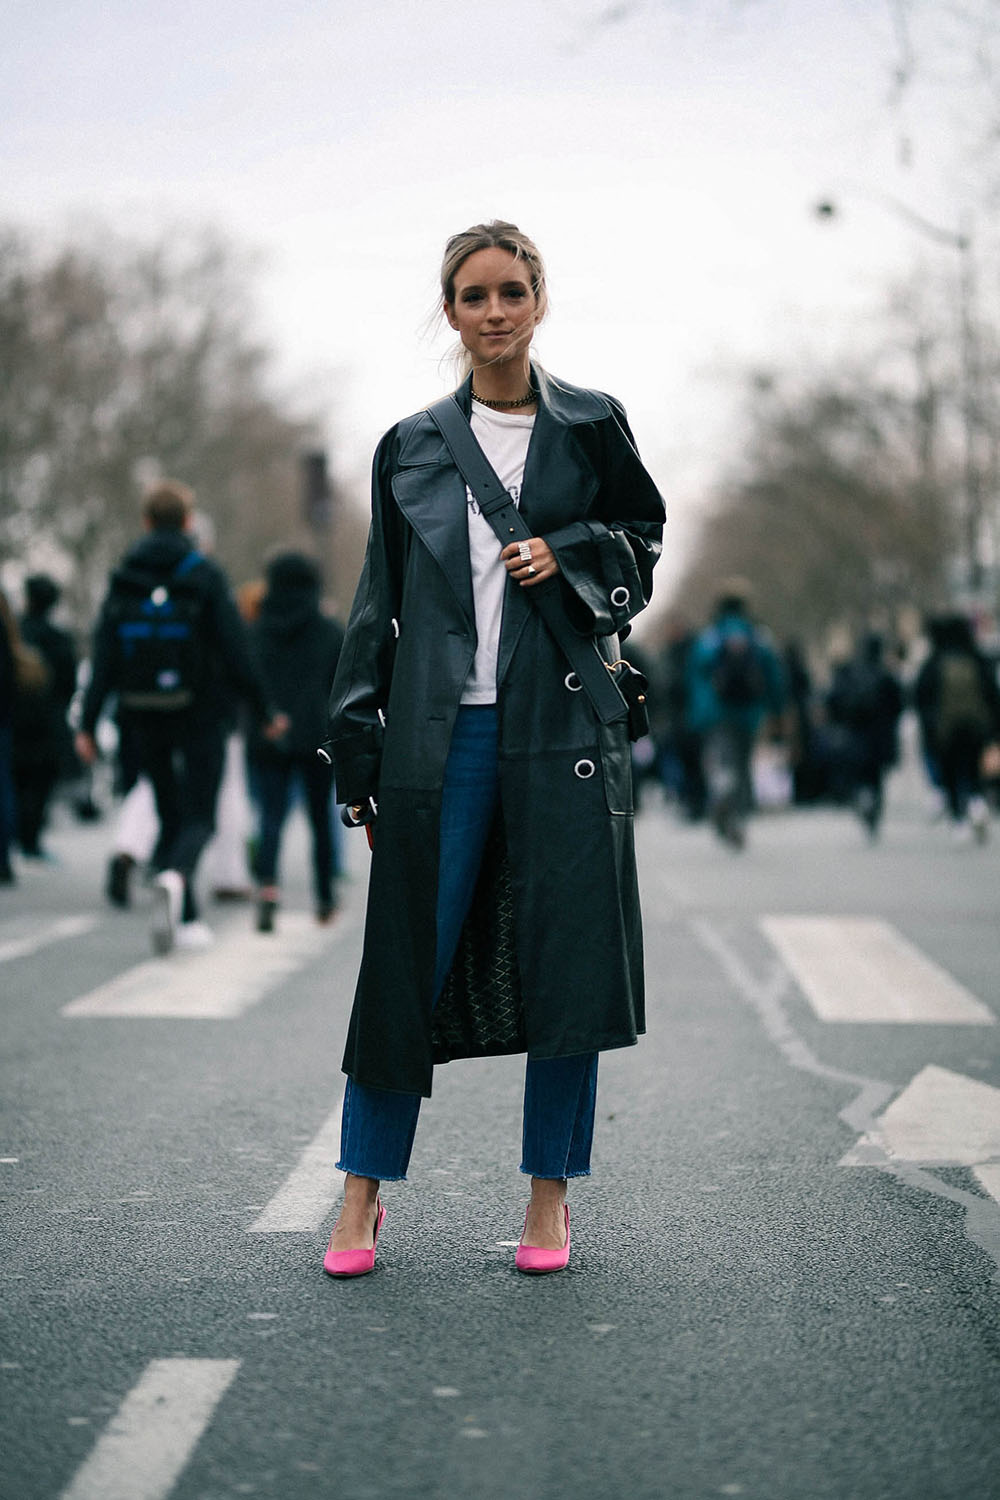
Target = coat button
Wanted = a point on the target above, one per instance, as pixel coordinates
(620, 596)
(584, 769)
(572, 682)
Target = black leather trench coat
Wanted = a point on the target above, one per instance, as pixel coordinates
(550, 960)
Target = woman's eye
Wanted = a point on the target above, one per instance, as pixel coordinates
(517, 292)
(472, 296)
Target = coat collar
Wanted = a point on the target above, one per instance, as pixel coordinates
(559, 479)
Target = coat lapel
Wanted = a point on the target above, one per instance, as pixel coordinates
(559, 483)
(432, 498)
(559, 479)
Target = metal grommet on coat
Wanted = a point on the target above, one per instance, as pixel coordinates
(584, 769)
(572, 682)
(395, 628)
(620, 596)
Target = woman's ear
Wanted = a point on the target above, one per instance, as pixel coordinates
(449, 313)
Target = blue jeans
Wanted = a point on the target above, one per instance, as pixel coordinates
(560, 1093)
(275, 781)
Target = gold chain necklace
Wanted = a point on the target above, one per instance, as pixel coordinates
(522, 401)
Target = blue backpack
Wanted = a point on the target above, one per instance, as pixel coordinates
(737, 671)
(160, 654)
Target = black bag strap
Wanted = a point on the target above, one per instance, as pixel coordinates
(510, 526)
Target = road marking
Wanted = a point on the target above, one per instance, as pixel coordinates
(941, 1117)
(307, 1195)
(862, 969)
(767, 995)
(989, 1178)
(219, 983)
(54, 932)
(145, 1446)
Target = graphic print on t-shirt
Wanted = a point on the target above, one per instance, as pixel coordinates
(504, 438)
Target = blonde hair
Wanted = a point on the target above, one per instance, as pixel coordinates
(498, 234)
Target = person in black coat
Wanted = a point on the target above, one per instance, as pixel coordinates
(8, 695)
(295, 648)
(503, 912)
(958, 702)
(866, 700)
(43, 746)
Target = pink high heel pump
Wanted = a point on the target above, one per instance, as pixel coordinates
(537, 1262)
(354, 1262)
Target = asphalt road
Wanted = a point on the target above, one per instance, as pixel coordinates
(784, 1280)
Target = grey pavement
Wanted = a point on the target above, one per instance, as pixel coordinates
(746, 1312)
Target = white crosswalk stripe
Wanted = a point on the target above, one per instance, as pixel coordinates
(861, 969)
(52, 932)
(307, 1195)
(941, 1117)
(146, 1445)
(219, 983)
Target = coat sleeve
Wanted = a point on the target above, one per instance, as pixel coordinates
(230, 638)
(101, 681)
(364, 670)
(607, 558)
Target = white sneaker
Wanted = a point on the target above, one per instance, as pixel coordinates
(192, 935)
(979, 817)
(168, 899)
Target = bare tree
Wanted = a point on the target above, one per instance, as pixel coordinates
(835, 514)
(120, 361)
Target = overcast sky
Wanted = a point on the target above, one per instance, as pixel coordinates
(664, 154)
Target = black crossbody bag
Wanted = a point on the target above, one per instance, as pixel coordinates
(617, 690)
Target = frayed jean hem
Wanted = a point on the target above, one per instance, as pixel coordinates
(372, 1176)
(553, 1176)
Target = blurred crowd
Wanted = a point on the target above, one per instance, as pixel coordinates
(210, 705)
(207, 706)
(740, 722)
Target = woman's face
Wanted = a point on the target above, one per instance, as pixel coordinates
(495, 309)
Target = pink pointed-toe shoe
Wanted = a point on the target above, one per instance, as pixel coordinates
(537, 1262)
(354, 1262)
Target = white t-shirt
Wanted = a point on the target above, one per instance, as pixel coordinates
(503, 437)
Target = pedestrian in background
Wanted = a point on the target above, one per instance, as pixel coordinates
(295, 648)
(168, 627)
(958, 701)
(503, 909)
(735, 682)
(804, 753)
(679, 746)
(865, 701)
(43, 744)
(8, 691)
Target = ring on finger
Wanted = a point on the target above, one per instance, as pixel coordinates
(524, 551)
(532, 570)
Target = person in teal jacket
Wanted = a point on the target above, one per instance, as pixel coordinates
(735, 682)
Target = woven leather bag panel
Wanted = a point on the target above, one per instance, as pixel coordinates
(481, 1009)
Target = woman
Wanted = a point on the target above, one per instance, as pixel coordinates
(295, 647)
(502, 911)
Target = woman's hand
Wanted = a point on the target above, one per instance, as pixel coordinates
(530, 562)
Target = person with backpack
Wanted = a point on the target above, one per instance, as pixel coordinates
(865, 702)
(168, 631)
(735, 681)
(958, 701)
